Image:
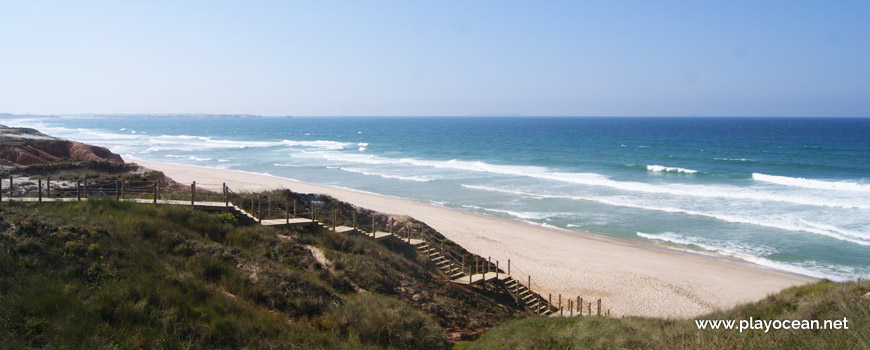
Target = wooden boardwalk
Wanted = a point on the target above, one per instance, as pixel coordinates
(456, 272)
(481, 278)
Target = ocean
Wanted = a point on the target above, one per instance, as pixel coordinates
(787, 193)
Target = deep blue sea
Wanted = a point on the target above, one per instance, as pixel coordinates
(788, 193)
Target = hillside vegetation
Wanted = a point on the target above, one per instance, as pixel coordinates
(824, 300)
(108, 274)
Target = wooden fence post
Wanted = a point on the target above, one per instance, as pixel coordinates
(570, 308)
(11, 189)
(154, 188)
(85, 191)
(484, 278)
(599, 306)
(560, 305)
(334, 218)
(47, 186)
(117, 190)
(579, 306)
(1, 191)
(226, 197)
(589, 308)
(39, 190)
(78, 190)
(259, 212)
(287, 212)
(192, 193)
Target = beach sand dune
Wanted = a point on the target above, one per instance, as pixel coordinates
(631, 277)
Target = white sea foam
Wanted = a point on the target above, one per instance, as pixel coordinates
(659, 168)
(711, 244)
(777, 223)
(754, 254)
(386, 176)
(811, 183)
(194, 158)
(518, 214)
(592, 179)
(733, 159)
(701, 191)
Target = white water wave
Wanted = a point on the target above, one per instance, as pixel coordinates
(518, 214)
(811, 183)
(593, 179)
(169, 142)
(387, 176)
(667, 169)
(754, 254)
(860, 238)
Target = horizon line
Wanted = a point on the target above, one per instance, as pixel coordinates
(506, 115)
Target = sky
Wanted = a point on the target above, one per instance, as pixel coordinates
(436, 58)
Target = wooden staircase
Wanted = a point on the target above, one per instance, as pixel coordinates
(529, 299)
(454, 271)
(447, 265)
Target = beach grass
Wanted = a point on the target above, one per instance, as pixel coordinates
(108, 274)
(824, 300)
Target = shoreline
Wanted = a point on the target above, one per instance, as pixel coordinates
(632, 277)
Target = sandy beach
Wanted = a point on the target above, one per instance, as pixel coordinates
(631, 277)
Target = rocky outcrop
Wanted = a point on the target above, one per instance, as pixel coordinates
(23, 146)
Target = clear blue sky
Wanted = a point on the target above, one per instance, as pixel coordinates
(784, 58)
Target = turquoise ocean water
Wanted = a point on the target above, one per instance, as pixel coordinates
(787, 193)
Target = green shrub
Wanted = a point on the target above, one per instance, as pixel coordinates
(228, 218)
(384, 322)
